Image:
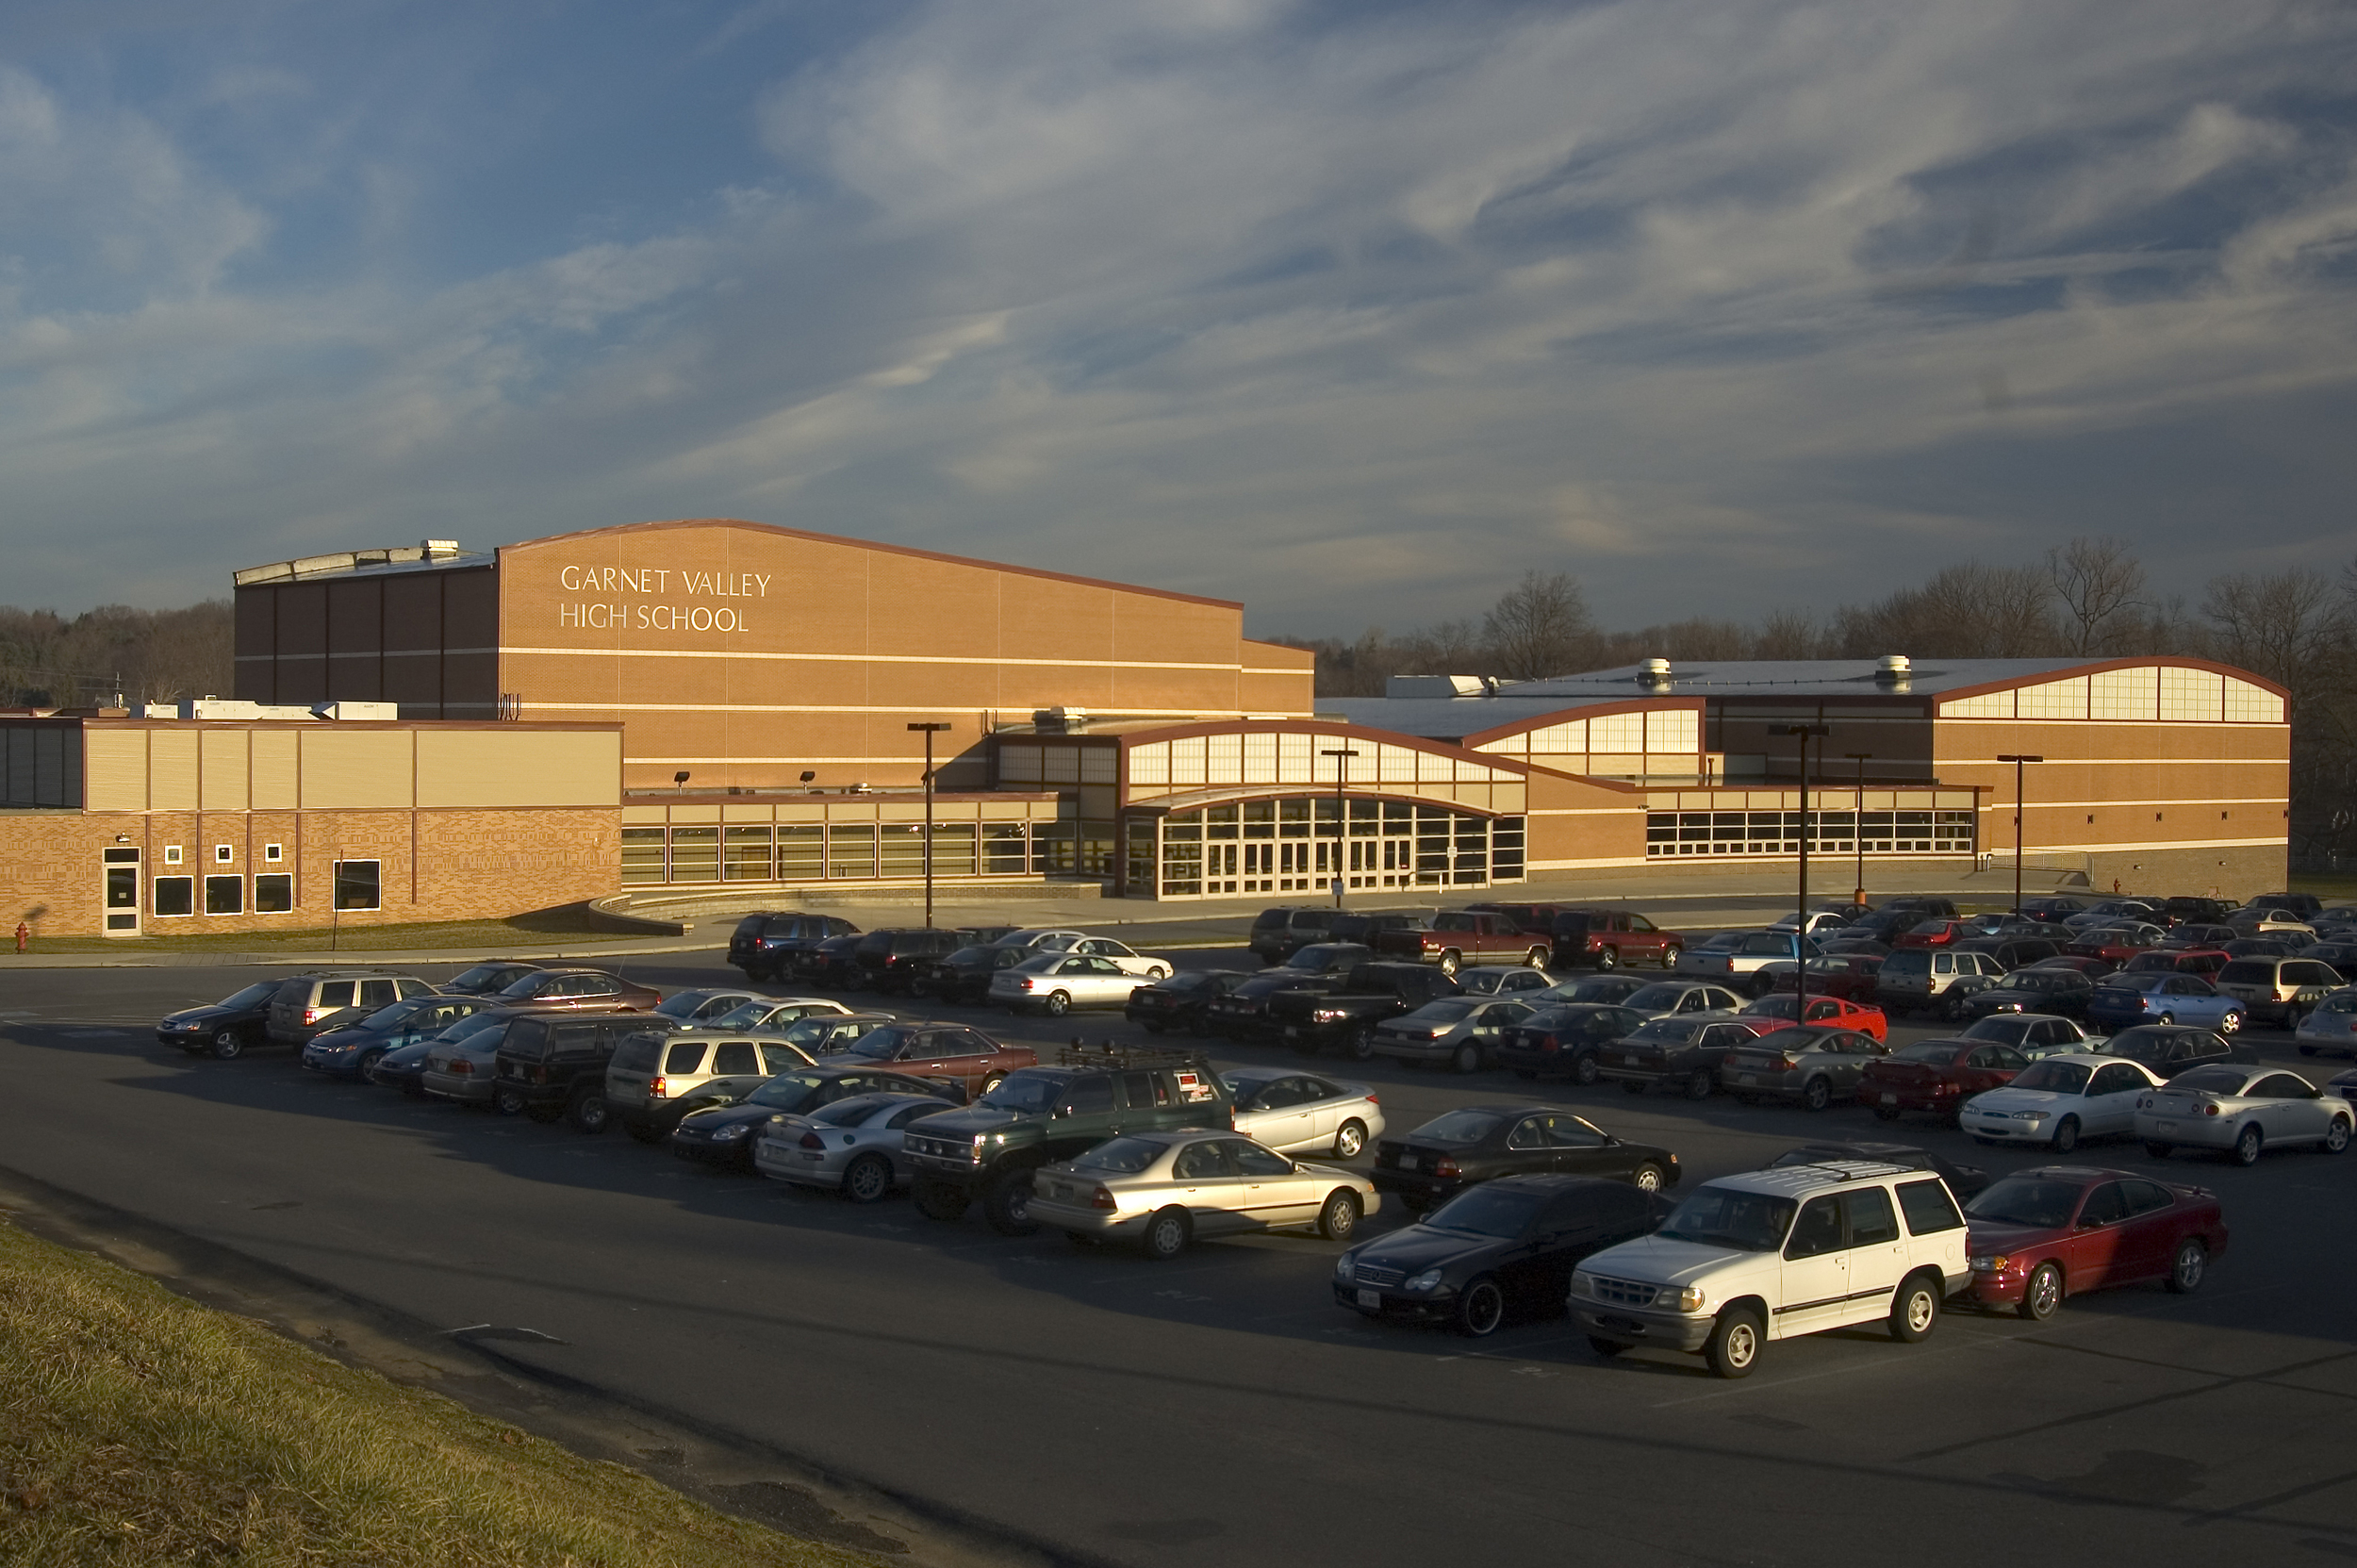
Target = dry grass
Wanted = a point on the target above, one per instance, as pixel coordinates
(544, 928)
(138, 1429)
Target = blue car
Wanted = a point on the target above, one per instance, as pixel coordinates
(2124, 999)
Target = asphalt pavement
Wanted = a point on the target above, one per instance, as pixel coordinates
(1221, 1407)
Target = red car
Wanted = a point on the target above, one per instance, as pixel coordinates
(2114, 945)
(2039, 1235)
(1935, 1075)
(1823, 1013)
(1937, 933)
(1849, 976)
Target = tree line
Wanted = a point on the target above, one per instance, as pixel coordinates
(2090, 598)
(49, 660)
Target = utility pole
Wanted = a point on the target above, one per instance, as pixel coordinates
(1800, 928)
(1341, 815)
(2017, 825)
(1859, 823)
(929, 730)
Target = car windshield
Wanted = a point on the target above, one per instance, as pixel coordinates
(751, 1015)
(2036, 1201)
(2340, 1001)
(786, 1092)
(1186, 979)
(1726, 1217)
(843, 1112)
(2055, 1076)
(1775, 1007)
(2137, 1045)
(474, 1024)
(1486, 1212)
(1666, 1029)
(806, 1032)
(1938, 1053)
(1601, 988)
(1123, 1156)
(1445, 1012)
(477, 978)
(1456, 1127)
(879, 1045)
(2142, 980)
(252, 996)
(977, 953)
(2216, 1080)
(1026, 1093)
(1656, 998)
(386, 1018)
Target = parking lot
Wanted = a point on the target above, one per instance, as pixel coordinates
(1221, 1407)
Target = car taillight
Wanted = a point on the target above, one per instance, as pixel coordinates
(460, 1068)
(1782, 1064)
(1945, 1087)
(1444, 1167)
(1372, 1101)
(2211, 1109)
(1023, 985)
(1102, 1198)
(658, 1087)
(313, 1015)
(1550, 1043)
(811, 1140)
(539, 1075)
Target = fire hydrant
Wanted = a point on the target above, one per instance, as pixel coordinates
(24, 937)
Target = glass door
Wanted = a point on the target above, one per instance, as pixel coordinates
(120, 869)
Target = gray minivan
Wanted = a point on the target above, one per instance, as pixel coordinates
(1919, 977)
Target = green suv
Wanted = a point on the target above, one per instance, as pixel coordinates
(1038, 1115)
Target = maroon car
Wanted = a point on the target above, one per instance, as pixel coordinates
(2114, 945)
(2039, 1235)
(1935, 934)
(1935, 1077)
(578, 990)
(1848, 976)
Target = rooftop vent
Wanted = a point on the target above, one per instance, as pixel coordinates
(435, 549)
(1893, 671)
(1438, 686)
(1654, 672)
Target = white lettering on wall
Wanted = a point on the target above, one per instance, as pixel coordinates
(593, 614)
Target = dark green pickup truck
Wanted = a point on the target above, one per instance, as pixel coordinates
(1037, 1116)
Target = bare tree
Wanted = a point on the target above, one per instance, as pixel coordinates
(1540, 627)
(2100, 586)
(2289, 626)
(1787, 635)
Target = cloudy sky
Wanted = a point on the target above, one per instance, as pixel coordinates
(1350, 310)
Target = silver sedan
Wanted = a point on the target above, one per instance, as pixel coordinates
(2236, 1110)
(1298, 1113)
(1459, 1030)
(851, 1146)
(1161, 1190)
(1122, 957)
(1055, 983)
(1519, 980)
(771, 1015)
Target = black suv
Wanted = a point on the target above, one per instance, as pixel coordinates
(1037, 1116)
(965, 975)
(1279, 933)
(765, 945)
(895, 958)
(553, 1064)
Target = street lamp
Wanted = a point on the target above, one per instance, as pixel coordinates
(1342, 813)
(1857, 823)
(929, 730)
(2018, 759)
(1799, 919)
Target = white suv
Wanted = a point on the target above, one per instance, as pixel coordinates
(1775, 1253)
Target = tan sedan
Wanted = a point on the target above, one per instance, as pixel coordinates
(1161, 1190)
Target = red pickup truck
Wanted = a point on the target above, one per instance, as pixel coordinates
(1460, 936)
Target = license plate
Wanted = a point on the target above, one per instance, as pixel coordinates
(1745, 1077)
(1371, 1299)
(1891, 1100)
(1407, 1162)
(2165, 1127)
(1629, 1061)
(1291, 1033)
(811, 1159)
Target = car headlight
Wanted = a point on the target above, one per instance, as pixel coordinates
(2030, 1116)
(1687, 1298)
(1994, 1263)
(1344, 1266)
(734, 1129)
(1428, 1280)
(1583, 1284)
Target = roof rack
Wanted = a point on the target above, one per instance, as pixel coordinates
(1111, 1054)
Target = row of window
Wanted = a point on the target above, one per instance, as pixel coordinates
(359, 884)
(1778, 833)
(225, 853)
(1217, 849)
(863, 850)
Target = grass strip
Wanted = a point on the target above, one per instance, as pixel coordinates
(544, 929)
(138, 1429)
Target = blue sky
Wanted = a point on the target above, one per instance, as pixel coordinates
(1348, 311)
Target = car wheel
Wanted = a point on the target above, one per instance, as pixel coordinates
(2042, 1294)
(992, 1082)
(2066, 1136)
(508, 1102)
(940, 1200)
(1632, 1085)
(2246, 1149)
(1816, 1094)
(588, 1112)
(2167, 1018)
(1536, 958)
(1480, 1308)
(2229, 1024)
(1607, 959)
(1699, 1083)
(227, 1044)
(1885, 1113)
(2189, 1267)
(1056, 1004)
(1584, 1069)
(2337, 1136)
(643, 1132)
(2159, 1151)
(1647, 1179)
(1349, 1139)
(1915, 1310)
(1468, 1057)
(1451, 962)
(868, 1179)
(1166, 1235)
(1733, 1348)
(1670, 957)
(1340, 1215)
(1361, 1043)
(1008, 1204)
(1157, 972)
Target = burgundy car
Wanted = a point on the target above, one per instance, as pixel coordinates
(1937, 933)
(2039, 1235)
(577, 990)
(1847, 975)
(1935, 1077)
(2114, 945)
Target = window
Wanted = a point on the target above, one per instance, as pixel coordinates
(684, 1058)
(1199, 1162)
(1872, 1223)
(1570, 1133)
(171, 854)
(2280, 1086)
(175, 895)
(2145, 1196)
(225, 895)
(356, 883)
(274, 853)
(377, 993)
(737, 1056)
(1253, 1160)
(334, 994)
(1928, 1207)
(1531, 1133)
(1817, 1230)
(274, 892)
(1088, 1096)
(642, 856)
(2106, 1205)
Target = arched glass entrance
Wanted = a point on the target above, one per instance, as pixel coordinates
(1301, 843)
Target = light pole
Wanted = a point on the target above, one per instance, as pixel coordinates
(1857, 823)
(1800, 928)
(1341, 815)
(2018, 759)
(929, 730)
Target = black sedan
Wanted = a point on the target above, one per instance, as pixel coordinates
(1178, 1002)
(1240, 1012)
(402, 1069)
(1479, 1142)
(2062, 992)
(349, 1050)
(1963, 1181)
(724, 1136)
(1506, 1247)
(829, 963)
(225, 1027)
(1564, 1041)
(964, 976)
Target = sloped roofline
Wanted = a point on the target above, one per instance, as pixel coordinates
(2071, 672)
